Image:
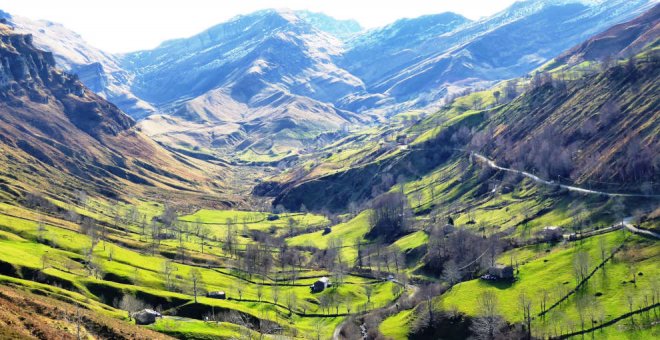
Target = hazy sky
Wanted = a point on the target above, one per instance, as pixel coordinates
(128, 25)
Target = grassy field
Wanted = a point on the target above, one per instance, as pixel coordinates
(543, 270)
(397, 326)
(57, 253)
(348, 234)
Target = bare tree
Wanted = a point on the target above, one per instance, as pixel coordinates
(525, 303)
(630, 301)
(196, 281)
(168, 274)
(41, 229)
(275, 293)
(130, 304)
(390, 214)
(580, 266)
(239, 290)
(451, 273)
(260, 292)
(291, 302)
(488, 323)
(368, 291)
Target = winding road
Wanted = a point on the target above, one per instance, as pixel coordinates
(626, 223)
(535, 178)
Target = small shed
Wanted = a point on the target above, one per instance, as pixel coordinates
(146, 316)
(320, 285)
(217, 295)
(501, 272)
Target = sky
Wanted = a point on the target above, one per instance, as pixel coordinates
(129, 25)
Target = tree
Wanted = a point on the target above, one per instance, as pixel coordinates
(368, 291)
(510, 90)
(275, 293)
(155, 236)
(168, 274)
(581, 266)
(630, 301)
(488, 322)
(427, 293)
(130, 304)
(291, 223)
(196, 281)
(582, 304)
(390, 215)
(497, 94)
(41, 230)
(526, 308)
(619, 208)
(451, 273)
(602, 247)
(239, 290)
(291, 302)
(203, 236)
(45, 259)
(260, 292)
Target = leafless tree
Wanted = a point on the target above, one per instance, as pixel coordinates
(196, 281)
(41, 229)
(525, 303)
(390, 214)
(291, 301)
(451, 273)
(489, 322)
(580, 266)
(168, 274)
(275, 293)
(130, 304)
(260, 292)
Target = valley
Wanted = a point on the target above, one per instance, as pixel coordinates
(288, 175)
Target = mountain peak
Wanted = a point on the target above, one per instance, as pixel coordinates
(342, 29)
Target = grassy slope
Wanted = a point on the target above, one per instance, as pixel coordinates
(63, 246)
(549, 269)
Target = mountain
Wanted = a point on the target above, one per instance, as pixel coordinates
(57, 135)
(505, 45)
(342, 29)
(617, 41)
(597, 130)
(98, 70)
(379, 52)
(266, 85)
(267, 73)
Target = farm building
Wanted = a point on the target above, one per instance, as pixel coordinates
(501, 272)
(216, 295)
(320, 285)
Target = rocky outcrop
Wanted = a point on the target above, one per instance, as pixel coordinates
(28, 73)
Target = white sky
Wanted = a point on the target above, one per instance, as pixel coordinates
(128, 25)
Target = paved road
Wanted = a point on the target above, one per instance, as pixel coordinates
(535, 178)
(633, 229)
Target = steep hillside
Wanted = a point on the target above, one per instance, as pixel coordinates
(598, 130)
(617, 41)
(265, 86)
(602, 128)
(57, 134)
(508, 44)
(98, 70)
(266, 74)
(380, 52)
